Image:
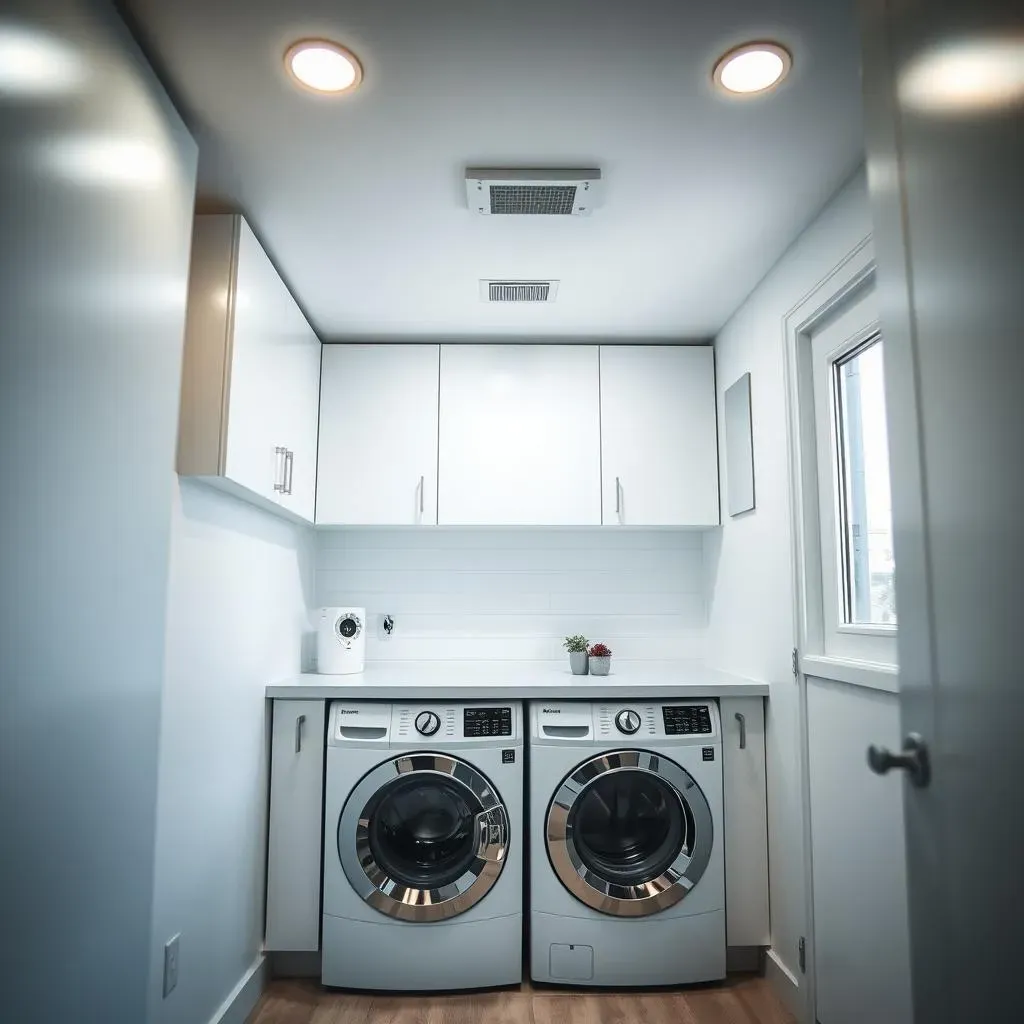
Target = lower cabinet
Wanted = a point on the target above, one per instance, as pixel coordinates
(746, 822)
(296, 825)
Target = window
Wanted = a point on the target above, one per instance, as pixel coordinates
(853, 585)
(861, 474)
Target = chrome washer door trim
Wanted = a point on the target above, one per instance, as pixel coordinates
(597, 892)
(395, 899)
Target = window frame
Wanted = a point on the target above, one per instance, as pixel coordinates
(849, 293)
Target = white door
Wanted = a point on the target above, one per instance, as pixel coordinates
(378, 435)
(659, 436)
(859, 880)
(945, 120)
(254, 396)
(519, 438)
(859, 937)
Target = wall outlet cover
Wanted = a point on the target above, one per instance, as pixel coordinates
(171, 964)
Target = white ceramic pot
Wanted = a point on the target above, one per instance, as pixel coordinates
(578, 662)
(600, 666)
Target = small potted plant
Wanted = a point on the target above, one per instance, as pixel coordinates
(600, 659)
(577, 648)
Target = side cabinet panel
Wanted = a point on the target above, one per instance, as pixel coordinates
(296, 824)
(746, 822)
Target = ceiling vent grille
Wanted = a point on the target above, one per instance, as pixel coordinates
(547, 193)
(518, 291)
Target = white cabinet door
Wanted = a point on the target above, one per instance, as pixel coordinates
(299, 395)
(746, 822)
(378, 435)
(296, 824)
(250, 382)
(659, 435)
(258, 331)
(519, 437)
(861, 935)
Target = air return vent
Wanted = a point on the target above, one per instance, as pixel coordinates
(518, 291)
(550, 193)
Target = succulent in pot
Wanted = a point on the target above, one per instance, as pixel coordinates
(600, 659)
(577, 648)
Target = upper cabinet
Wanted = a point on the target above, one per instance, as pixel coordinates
(378, 435)
(519, 435)
(250, 384)
(659, 440)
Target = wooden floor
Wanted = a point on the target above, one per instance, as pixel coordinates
(740, 1000)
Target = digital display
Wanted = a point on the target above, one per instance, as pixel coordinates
(487, 722)
(686, 720)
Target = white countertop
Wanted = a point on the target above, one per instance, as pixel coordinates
(517, 680)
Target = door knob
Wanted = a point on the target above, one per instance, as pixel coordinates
(913, 760)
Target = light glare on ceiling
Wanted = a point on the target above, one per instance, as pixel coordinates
(752, 68)
(971, 75)
(323, 66)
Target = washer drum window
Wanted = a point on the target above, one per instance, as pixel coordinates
(629, 833)
(423, 837)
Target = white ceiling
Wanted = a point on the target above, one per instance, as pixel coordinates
(360, 199)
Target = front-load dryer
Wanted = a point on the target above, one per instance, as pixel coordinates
(627, 877)
(423, 857)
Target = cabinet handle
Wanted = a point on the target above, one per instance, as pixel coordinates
(422, 482)
(289, 470)
(742, 719)
(298, 733)
(280, 469)
(618, 499)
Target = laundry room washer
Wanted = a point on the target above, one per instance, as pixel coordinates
(627, 875)
(423, 850)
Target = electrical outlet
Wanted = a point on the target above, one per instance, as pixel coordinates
(385, 627)
(171, 964)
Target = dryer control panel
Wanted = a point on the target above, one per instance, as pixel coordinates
(435, 725)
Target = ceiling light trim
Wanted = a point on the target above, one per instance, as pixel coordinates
(316, 42)
(757, 46)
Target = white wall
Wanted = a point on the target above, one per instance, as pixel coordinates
(92, 286)
(749, 559)
(513, 594)
(237, 610)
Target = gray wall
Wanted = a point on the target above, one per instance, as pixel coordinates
(96, 191)
(237, 610)
(749, 560)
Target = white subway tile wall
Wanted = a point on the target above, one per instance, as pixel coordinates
(512, 595)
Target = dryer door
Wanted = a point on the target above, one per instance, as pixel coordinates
(629, 833)
(423, 837)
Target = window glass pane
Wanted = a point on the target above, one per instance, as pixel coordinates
(865, 507)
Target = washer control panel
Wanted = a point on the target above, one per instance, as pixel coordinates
(477, 722)
(687, 719)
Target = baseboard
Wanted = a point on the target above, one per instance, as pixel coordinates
(785, 983)
(294, 965)
(744, 959)
(244, 996)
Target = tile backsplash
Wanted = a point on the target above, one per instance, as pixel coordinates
(513, 594)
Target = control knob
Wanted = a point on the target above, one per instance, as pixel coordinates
(627, 721)
(427, 723)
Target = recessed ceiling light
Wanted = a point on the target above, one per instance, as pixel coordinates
(752, 68)
(323, 66)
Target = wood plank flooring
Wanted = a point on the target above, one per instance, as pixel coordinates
(739, 1000)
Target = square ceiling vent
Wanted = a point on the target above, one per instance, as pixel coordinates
(518, 291)
(545, 193)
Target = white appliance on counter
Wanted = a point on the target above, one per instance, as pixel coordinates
(628, 880)
(423, 858)
(341, 641)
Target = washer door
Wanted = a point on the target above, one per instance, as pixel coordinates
(629, 833)
(423, 837)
